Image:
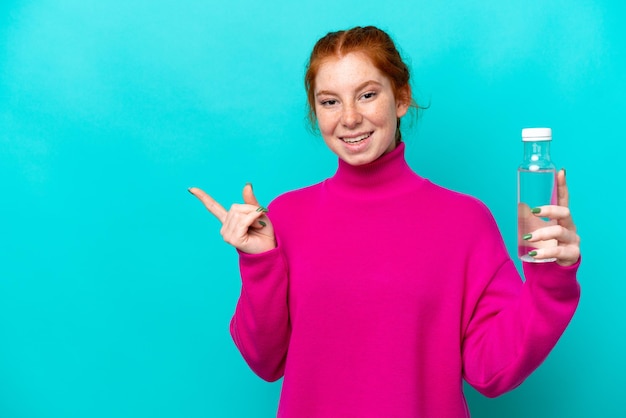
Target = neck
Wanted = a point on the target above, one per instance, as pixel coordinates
(382, 177)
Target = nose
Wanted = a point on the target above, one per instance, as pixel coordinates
(351, 116)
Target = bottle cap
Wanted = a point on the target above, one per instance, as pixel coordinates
(536, 134)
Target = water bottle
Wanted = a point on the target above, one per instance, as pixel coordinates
(536, 186)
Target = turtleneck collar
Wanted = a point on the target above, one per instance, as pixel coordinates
(389, 174)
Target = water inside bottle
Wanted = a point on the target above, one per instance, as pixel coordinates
(536, 188)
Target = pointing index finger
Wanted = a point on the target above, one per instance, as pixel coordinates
(211, 204)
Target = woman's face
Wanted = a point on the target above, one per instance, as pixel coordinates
(356, 109)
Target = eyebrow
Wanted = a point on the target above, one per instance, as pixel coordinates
(359, 87)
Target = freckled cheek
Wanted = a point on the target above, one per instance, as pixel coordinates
(326, 124)
(377, 117)
(323, 126)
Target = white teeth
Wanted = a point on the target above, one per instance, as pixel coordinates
(357, 139)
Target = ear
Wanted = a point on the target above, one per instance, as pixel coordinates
(403, 101)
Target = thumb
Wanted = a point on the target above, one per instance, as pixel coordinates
(262, 222)
(562, 191)
(248, 195)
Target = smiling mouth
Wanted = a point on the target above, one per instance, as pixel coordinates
(356, 139)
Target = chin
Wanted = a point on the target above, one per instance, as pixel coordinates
(357, 160)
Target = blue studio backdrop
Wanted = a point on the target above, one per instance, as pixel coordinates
(116, 290)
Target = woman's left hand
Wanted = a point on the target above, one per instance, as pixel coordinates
(567, 251)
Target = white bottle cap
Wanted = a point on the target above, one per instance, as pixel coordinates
(536, 134)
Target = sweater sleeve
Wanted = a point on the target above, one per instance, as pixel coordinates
(510, 326)
(513, 326)
(260, 326)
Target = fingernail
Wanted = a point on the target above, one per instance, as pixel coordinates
(532, 253)
(189, 190)
(527, 237)
(261, 209)
(249, 184)
(262, 223)
(564, 172)
(535, 210)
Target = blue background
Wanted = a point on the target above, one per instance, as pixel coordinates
(116, 289)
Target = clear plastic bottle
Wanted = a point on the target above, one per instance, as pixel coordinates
(536, 186)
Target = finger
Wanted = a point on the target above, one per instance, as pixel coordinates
(260, 221)
(250, 199)
(242, 216)
(252, 216)
(563, 235)
(552, 212)
(565, 255)
(562, 191)
(248, 195)
(211, 204)
(241, 220)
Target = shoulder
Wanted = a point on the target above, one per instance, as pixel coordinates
(295, 199)
(296, 195)
(467, 221)
(459, 207)
(448, 197)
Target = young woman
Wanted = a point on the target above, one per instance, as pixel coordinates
(376, 292)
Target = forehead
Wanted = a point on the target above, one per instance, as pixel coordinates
(347, 71)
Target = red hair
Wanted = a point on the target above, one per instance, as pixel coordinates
(376, 45)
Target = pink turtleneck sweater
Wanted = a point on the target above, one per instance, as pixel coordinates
(385, 291)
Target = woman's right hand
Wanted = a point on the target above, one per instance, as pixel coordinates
(245, 226)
